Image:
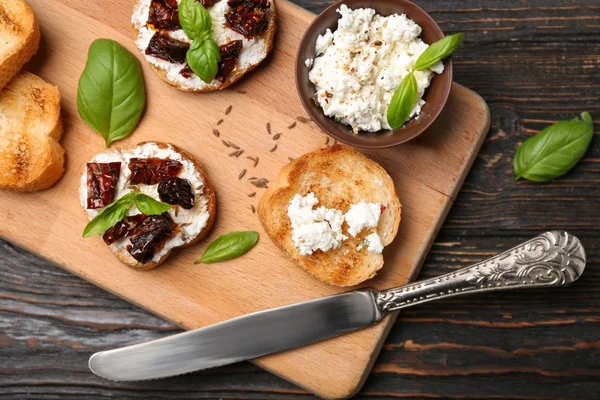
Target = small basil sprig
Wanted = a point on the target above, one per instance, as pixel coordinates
(555, 150)
(229, 246)
(203, 55)
(405, 97)
(111, 94)
(116, 211)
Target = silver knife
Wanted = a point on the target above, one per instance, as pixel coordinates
(550, 260)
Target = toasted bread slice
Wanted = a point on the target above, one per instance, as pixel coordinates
(31, 158)
(339, 177)
(267, 38)
(19, 35)
(207, 193)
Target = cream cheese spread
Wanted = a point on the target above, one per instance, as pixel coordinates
(360, 65)
(253, 51)
(191, 222)
(321, 228)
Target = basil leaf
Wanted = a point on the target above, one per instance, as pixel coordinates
(555, 150)
(403, 102)
(110, 216)
(438, 51)
(111, 94)
(229, 246)
(147, 205)
(194, 19)
(203, 58)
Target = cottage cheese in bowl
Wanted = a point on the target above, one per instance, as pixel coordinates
(359, 67)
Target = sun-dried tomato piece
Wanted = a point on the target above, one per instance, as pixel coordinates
(150, 236)
(176, 191)
(230, 53)
(247, 17)
(164, 14)
(209, 3)
(166, 48)
(186, 71)
(123, 228)
(102, 179)
(150, 171)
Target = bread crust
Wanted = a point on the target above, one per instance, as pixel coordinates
(31, 159)
(237, 74)
(210, 194)
(339, 177)
(20, 22)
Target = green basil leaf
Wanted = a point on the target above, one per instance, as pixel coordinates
(194, 19)
(110, 216)
(403, 102)
(111, 94)
(555, 150)
(203, 58)
(147, 205)
(229, 246)
(438, 51)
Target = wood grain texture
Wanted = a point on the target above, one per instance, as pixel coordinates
(427, 172)
(534, 62)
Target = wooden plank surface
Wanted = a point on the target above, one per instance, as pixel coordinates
(428, 173)
(534, 62)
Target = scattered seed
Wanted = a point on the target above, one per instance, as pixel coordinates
(242, 91)
(225, 143)
(291, 158)
(269, 128)
(334, 142)
(274, 148)
(253, 209)
(252, 178)
(276, 137)
(241, 175)
(219, 122)
(250, 158)
(216, 133)
(261, 183)
(176, 211)
(185, 224)
(327, 141)
(228, 110)
(256, 162)
(292, 126)
(252, 194)
(303, 120)
(233, 153)
(239, 153)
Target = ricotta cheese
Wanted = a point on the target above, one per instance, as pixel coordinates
(360, 65)
(253, 51)
(314, 229)
(191, 222)
(321, 228)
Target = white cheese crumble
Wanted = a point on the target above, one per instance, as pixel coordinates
(321, 228)
(313, 230)
(253, 51)
(360, 65)
(309, 62)
(191, 222)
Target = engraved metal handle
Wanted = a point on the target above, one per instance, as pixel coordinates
(549, 260)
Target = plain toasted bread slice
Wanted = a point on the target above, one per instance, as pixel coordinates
(339, 177)
(208, 192)
(31, 158)
(268, 36)
(19, 37)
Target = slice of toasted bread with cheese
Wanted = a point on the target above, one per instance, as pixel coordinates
(19, 37)
(191, 225)
(254, 50)
(31, 158)
(339, 177)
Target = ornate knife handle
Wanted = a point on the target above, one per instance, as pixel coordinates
(549, 260)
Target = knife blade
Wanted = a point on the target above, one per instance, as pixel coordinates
(552, 259)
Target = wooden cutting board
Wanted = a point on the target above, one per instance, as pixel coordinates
(428, 173)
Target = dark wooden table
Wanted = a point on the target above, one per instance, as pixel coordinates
(534, 62)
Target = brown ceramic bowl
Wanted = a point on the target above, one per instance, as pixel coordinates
(435, 96)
